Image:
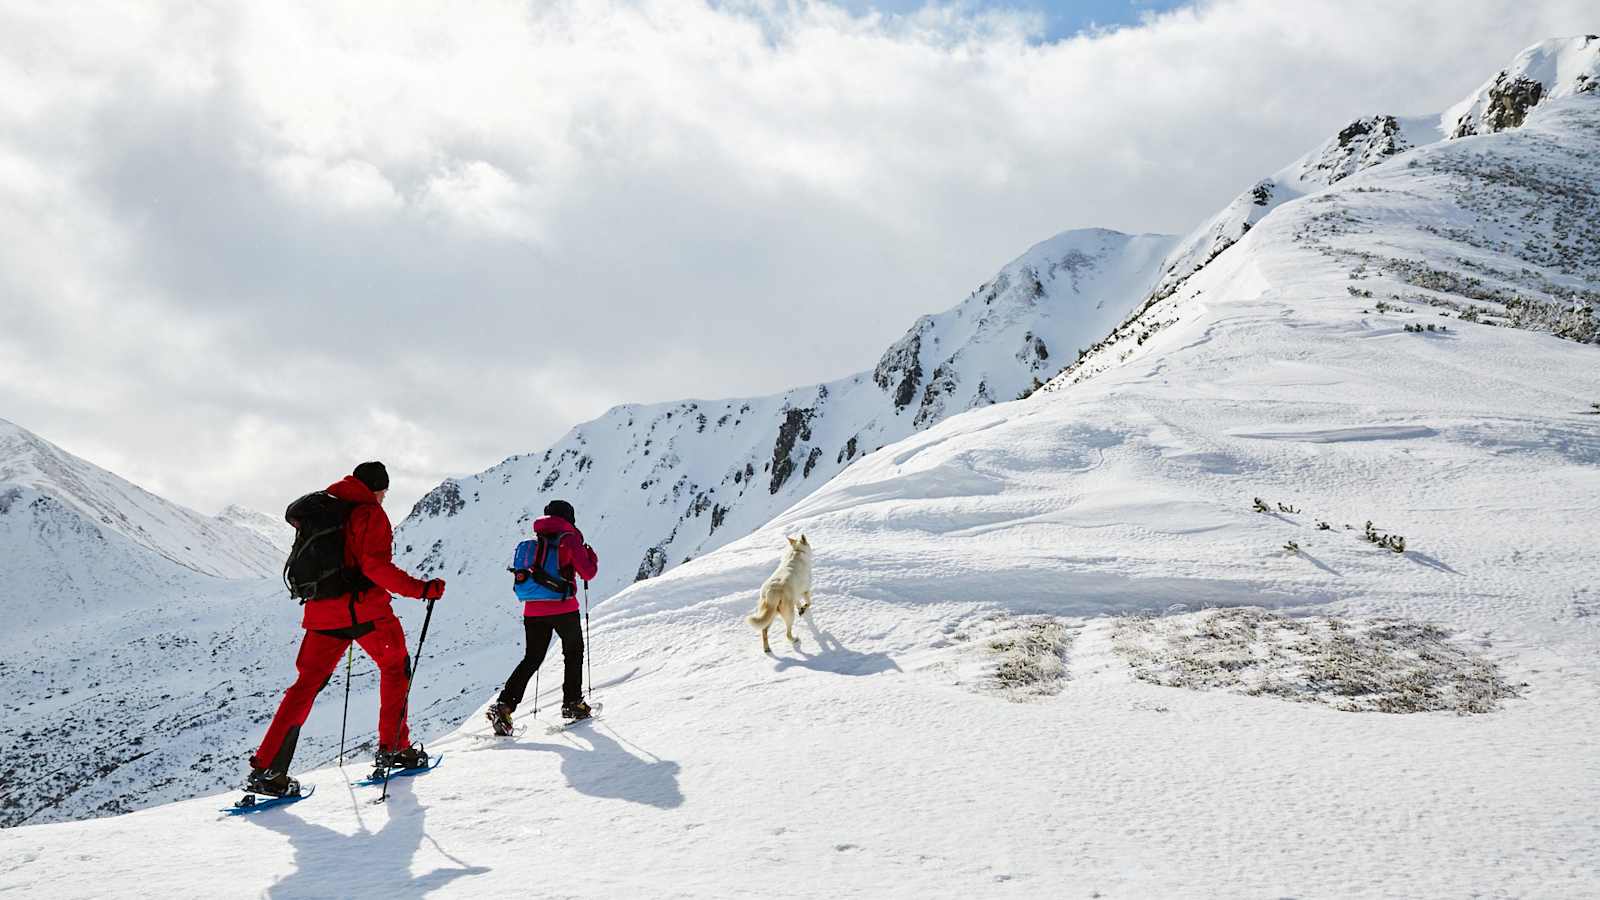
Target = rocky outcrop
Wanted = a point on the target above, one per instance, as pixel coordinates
(1551, 70)
(795, 428)
(1509, 101)
(444, 500)
(1361, 144)
(941, 385)
(900, 370)
(1034, 354)
(653, 564)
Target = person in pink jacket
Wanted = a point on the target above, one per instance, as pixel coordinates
(555, 614)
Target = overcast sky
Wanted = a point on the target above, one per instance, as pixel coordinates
(244, 246)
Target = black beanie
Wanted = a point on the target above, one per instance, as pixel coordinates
(561, 509)
(373, 475)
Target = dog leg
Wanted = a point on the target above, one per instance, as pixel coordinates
(787, 610)
(806, 605)
(765, 647)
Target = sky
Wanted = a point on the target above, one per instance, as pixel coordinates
(1051, 21)
(244, 246)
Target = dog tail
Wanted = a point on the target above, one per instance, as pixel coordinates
(766, 611)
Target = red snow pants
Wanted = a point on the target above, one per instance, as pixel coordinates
(319, 656)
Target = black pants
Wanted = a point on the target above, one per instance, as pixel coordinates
(539, 629)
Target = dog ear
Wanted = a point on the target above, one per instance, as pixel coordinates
(792, 542)
(804, 541)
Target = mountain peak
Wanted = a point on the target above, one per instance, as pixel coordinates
(274, 530)
(1549, 70)
(107, 501)
(676, 480)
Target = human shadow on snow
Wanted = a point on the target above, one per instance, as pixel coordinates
(835, 657)
(329, 863)
(607, 770)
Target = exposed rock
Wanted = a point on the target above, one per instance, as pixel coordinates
(900, 369)
(940, 385)
(1034, 354)
(1510, 99)
(811, 462)
(444, 500)
(848, 451)
(795, 428)
(1359, 145)
(653, 564)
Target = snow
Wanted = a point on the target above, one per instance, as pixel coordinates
(654, 485)
(1562, 68)
(134, 626)
(979, 703)
(273, 529)
(103, 500)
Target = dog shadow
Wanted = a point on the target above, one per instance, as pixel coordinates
(835, 657)
(322, 856)
(606, 769)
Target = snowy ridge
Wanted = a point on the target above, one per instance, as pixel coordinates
(1359, 145)
(183, 536)
(1551, 70)
(655, 485)
(133, 624)
(274, 530)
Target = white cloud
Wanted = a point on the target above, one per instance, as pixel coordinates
(351, 185)
(241, 242)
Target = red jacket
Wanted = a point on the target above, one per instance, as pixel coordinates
(369, 546)
(574, 557)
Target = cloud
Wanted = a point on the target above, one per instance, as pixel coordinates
(243, 246)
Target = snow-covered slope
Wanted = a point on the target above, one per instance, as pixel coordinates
(1363, 143)
(1551, 70)
(975, 563)
(655, 485)
(104, 501)
(172, 704)
(131, 624)
(274, 530)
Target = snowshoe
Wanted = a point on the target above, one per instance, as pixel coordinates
(413, 757)
(500, 719)
(272, 783)
(575, 711)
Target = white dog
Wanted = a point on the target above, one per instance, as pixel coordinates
(787, 593)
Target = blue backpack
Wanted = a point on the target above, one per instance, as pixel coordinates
(536, 570)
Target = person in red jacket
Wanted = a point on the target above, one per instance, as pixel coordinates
(364, 617)
(556, 615)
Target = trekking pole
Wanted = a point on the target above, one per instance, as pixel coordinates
(405, 704)
(349, 660)
(589, 656)
(536, 693)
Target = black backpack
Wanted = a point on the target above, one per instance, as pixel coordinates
(315, 569)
